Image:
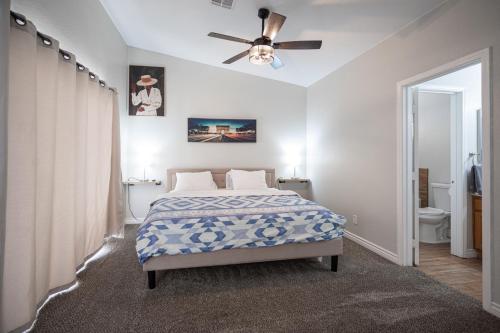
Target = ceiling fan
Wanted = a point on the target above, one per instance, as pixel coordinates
(262, 50)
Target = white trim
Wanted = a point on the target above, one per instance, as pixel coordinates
(458, 226)
(384, 253)
(131, 220)
(440, 89)
(484, 58)
(413, 172)
(486, 83)
(470, 253)
(495, 309)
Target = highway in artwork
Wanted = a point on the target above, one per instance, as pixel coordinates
(230, 137)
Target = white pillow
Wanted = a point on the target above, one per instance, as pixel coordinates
(248, 180)
(229, 182)
(194, 181)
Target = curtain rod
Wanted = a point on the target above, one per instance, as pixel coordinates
(21, 20)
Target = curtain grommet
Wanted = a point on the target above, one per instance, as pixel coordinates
(19, 19)
(20, 22)
(66, 56)
(46, 40)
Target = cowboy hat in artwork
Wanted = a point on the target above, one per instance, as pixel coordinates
(147, 101)
(146, 80)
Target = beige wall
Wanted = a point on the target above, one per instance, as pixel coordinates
(4, 55)
(351, 117)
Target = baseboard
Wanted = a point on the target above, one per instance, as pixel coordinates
(495, 309)
(131, 220)
(384, 253)
(470, 253)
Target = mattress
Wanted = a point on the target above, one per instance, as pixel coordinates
(181, 223)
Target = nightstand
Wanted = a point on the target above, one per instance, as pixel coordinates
(299, 185)
(138, 195)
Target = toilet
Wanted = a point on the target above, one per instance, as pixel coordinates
(434, 222)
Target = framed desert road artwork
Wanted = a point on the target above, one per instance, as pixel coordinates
(222, 130)
(146, 91)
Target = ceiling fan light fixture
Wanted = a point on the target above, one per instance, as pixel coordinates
(262, 50)
(261, 54)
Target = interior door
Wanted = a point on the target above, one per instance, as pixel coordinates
(458, 179)
(415, 166)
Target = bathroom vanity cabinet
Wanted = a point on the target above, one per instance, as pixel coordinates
(477, 222)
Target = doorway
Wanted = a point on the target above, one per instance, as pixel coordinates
(457, 240)
(447, 155)
(438, 135)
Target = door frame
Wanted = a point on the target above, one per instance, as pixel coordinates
(458, 221)
(404, 194)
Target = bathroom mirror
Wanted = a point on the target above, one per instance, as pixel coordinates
(479, 138)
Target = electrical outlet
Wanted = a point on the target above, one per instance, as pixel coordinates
(355, 219)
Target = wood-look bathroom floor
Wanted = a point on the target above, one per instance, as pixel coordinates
(459, 273)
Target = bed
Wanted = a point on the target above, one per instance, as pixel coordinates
(189, 229)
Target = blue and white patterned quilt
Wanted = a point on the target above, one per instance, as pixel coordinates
(183, 224)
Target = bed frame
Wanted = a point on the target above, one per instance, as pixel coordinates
(332, 248)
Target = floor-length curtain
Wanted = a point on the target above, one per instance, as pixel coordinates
(62, 171)
(115, 199)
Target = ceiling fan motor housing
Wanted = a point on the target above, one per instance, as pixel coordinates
(262, 41)
(263, 13)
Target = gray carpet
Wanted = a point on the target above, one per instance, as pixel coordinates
(368, 294)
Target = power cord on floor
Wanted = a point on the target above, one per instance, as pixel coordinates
(128, 202)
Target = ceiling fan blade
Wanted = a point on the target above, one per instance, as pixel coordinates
(299, 45)
(231, 38)
(277, 63)
(273, 26)
(236, 57)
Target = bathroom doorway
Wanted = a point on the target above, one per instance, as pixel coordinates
(444, 194)
(438, 138)
(448, 156)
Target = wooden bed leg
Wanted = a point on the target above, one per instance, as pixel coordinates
(335, 263)
(151, 279)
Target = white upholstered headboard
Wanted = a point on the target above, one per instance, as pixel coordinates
(219, 176)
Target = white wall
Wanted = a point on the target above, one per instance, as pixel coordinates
(85, 29)
(434, 124)
(199, 90)
(467, 80)
(351, 117)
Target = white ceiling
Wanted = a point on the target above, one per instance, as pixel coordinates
(348, 28)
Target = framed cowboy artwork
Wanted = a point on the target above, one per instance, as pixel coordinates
(146, 91)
